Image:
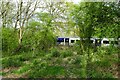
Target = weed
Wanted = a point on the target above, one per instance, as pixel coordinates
(67, 53)
(11, 62)
(47, 71)
(55, 52)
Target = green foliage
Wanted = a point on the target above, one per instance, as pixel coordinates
(22, 69)
(104, 63)
(47, 71)
(46, 19)
(17, 60)
(66, 53)
(38, 56)
(2, 73)
(35, 37)
(39, 65)
(42, 69)
(11, 62)
(55, 52)
(101, 21)
(47, 39)
(9, 39)
(28, 56)
(38, 37)
(99, 74)
(78, 60)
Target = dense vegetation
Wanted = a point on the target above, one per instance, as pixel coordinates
(29, 39)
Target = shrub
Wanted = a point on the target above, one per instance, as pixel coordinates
(99, 74)
(22, 69)
(47, 71)
(55, 52)
(77, 60)
(9, 39)
(11, 62)
(65, 54)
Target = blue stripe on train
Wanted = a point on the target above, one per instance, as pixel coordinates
(60, 39)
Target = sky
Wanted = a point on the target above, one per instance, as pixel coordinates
(75, 1)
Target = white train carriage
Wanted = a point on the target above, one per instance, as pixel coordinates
(110, 41)
(72, 41)
(94, 41)
(62, 41)
(105, 42)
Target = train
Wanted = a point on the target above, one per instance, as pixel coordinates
(71, 41)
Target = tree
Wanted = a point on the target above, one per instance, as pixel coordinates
(16, 15)
(6, 13)
(9, 40)
(95, 19)
(57, 11)
(24, 13)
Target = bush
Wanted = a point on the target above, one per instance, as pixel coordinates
(46, 71)
(22, 69)
(11, 62)
(77, 60)
(9, 39)
(55, 52)
(99, 74)
(38, 40)
(103, 63)
(67, 53)
(26, 56)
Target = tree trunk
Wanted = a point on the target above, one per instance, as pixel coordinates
(20, 36)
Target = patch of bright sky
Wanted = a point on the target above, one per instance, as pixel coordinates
(74, 1)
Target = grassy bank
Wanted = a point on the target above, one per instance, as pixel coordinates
(61, 63)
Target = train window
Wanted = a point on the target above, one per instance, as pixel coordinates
(106, 42)
(66, 39)
(60, 40)
(72, 41)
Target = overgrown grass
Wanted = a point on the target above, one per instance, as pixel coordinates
(47, 71)
(62, 63)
